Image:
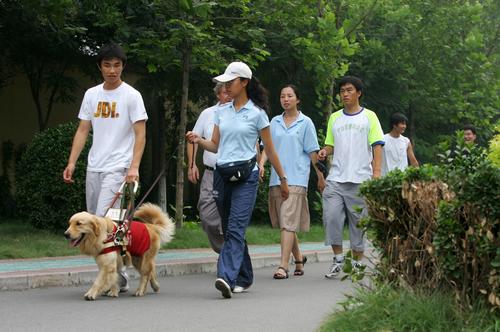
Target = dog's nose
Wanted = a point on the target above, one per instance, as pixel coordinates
(66, 235)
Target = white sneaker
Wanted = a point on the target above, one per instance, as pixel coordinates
(335, 269)
(357, 266)
(123, 280)
(240, 289)
(223, 287)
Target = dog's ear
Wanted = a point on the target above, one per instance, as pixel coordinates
(95, 225)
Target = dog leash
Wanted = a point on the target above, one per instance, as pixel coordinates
(154, 182)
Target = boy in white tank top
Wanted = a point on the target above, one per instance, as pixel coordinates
(397, 150)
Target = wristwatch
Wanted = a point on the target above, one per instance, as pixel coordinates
(283, 178)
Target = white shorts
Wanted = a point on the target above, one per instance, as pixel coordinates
(101, 188)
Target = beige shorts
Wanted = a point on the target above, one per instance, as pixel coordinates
(292, 214)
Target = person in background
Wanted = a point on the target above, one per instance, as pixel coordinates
(294, 136)
(355, 138)
(398, 149)
(237, 127)
(470, 134)
(209, 215)
(116, 114)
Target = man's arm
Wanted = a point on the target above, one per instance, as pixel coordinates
(140, 142)
(76, 148)
(377, 160)
(209, 145)
(193, 173)
(411, 156)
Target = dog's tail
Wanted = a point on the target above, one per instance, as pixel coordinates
(153, 214)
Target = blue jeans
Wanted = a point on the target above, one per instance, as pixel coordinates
(235, 201)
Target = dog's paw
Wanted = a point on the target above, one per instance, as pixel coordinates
(139, 293)
(89, 297)
(113, 292)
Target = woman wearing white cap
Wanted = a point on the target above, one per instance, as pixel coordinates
(237, 126)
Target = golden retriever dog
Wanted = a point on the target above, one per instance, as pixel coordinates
(92, 234)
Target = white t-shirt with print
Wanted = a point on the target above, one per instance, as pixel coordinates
(352, 137)
(204, 127)
(394, 153)
(112, 114)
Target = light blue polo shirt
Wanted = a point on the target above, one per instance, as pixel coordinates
(293, 146)
(239, 131)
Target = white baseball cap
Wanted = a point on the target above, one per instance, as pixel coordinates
(234, 70)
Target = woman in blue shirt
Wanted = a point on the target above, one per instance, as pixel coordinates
(237, 126)
(294, 136)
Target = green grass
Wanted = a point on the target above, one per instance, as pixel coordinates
(21, 240)
(192, 236)
(386, 309)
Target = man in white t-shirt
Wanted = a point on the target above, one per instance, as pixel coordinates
(397, 149)
(116, 114)
(209, 215)
(355, 138)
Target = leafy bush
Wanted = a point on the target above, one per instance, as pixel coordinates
(438, 226)
(467, 240)
(494, 150)
(42, 196)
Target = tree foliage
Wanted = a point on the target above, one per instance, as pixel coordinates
(43, 39)
(436, 61)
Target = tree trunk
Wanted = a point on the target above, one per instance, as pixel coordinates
(328, 102)
(411, 123)
(35, 78)
(162, 192)
(179, 187)
(158, 147)
(162, 165)
(54, 92)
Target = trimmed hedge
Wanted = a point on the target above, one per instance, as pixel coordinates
(439, 226)
(41, 194)
(402, 223)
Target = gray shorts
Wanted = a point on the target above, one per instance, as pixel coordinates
(209, 215)
(100, 189)
(340, 201)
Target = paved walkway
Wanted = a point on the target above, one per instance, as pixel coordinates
(21, 274)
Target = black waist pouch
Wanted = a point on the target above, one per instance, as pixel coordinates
(236, 171)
